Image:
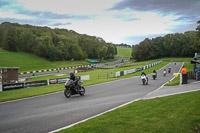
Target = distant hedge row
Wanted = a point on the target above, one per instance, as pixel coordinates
(53, 44)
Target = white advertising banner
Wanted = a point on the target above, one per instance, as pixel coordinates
(86, 77)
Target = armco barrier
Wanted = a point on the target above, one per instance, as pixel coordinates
(125, 72)
(121, 73)
(131, 71)
(117, 74)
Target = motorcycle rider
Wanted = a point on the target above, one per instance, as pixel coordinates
(169, 69)
(143, 73)
(154, 71)
(164, 72)
(75, 79)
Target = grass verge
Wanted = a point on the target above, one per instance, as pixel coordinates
(174, 82)
(172, 114)
(28, 62)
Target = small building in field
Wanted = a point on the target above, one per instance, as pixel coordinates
(8, 75)
(93, 61)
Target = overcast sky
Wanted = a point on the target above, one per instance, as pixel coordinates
(116, 21)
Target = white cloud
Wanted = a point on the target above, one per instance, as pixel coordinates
(69, 6)
(114, 29)
(11, 14)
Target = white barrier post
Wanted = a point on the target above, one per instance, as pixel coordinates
(1, 87)
(117, 74)
(180, 79)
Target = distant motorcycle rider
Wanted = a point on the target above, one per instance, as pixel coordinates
(143, 73)
(154, 74)
(169, 69)
(164, 72)
(154, 71)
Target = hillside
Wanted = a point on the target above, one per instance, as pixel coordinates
(28, 62)
(124, 52)
(53, 44)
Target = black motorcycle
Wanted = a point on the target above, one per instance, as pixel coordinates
(72, 89)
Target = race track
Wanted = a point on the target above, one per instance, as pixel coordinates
(50, 112)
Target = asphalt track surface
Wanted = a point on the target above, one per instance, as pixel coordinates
(50, 112)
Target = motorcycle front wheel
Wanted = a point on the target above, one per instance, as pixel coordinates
(82, 91)
(68, 93)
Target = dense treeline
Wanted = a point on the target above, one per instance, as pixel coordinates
(53, 44)
(171, 45)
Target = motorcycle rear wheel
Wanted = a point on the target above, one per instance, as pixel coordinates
(68, 93)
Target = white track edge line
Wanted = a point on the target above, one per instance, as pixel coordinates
(171, 94)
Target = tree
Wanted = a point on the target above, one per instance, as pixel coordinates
(136, 52)
(11, 39)
(197, 40)
(144, 50)
(53, 44)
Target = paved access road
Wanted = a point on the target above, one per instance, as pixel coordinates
(50, 112)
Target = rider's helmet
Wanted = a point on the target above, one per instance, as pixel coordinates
(71, 74)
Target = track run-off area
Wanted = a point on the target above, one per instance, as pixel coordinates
(54, 111)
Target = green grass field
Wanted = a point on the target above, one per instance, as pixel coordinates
(124, 52)
(172, 114)
(28, 62)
